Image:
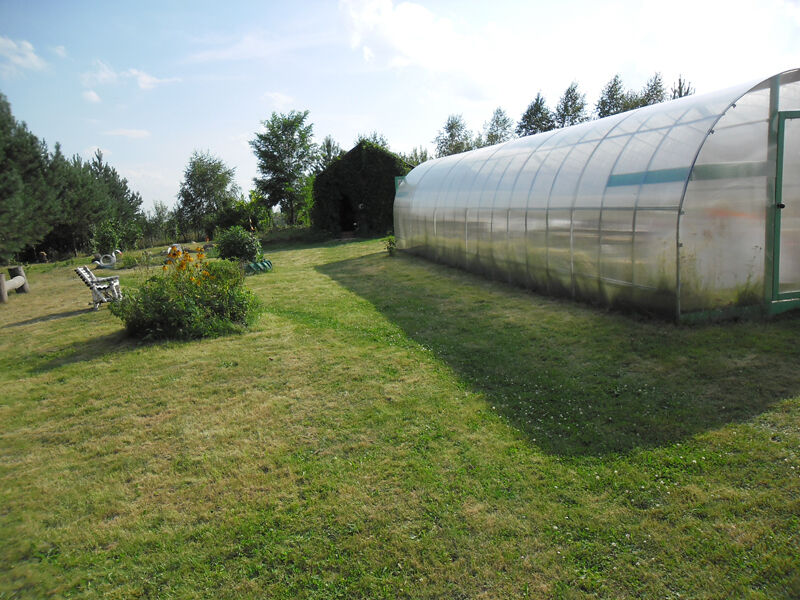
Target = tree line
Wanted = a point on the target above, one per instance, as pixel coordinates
(49, 201)
(571, 109)
(60, 206)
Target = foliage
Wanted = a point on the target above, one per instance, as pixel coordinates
(192, 298)
(390, 245)
(285, 154)
(208, 189)
(306, 201)
(373, 138)
(356, 193)
(143, 259)
(48, 202)
(417, 156)
(454, 137)
(499, 129)
(237, 244)
(250, 213)
(329, 151)
(652, 93)
(28, 205)
(106, 236)
(537, 118)
(612, 99)
(681, 88)
(571, 107)
(156, 225)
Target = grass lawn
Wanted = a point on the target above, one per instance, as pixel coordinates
(393, 428)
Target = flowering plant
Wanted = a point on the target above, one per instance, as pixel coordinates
(191, 298)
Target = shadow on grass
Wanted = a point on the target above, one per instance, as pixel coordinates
(53, 317)
(90, 349)
(574, 379)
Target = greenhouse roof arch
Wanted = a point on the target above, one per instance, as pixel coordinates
(689, 207)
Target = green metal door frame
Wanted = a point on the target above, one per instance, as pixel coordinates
(786, 300)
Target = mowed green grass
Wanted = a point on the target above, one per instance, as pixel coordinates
(393, 428)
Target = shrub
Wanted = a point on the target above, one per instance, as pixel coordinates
(191, 298)
(106, 236)
(391, 244)
(111, 234)
(236, 243)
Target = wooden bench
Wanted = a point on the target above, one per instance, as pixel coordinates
(104, 289)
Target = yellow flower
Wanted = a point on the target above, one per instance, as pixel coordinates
(164, 267)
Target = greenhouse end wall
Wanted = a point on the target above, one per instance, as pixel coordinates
(672, 208)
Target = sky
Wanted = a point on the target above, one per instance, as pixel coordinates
(148, 83)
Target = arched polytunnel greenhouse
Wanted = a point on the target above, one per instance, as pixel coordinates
(689, 208)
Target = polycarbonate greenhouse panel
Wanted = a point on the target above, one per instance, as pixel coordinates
(673, 208)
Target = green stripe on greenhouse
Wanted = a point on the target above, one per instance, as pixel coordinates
(699, 173)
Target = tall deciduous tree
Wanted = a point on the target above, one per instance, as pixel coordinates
(612, 99)
(417, 156)
(571, 108)
(653, 92)
(208, 188)
(536, 118)
(498, 129)
(454, 137)
(285, 153)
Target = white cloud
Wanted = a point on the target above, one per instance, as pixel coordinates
(477, 64)
(100, 74)
(91, 96)
(60, 51)
(129, 133)
(146, 81)
(278, 100)
(103, 73)
(256, 46)
(16, 56)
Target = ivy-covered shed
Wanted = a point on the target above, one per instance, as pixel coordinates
(356, 192)
(690, 207)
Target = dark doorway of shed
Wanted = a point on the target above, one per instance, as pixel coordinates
(347, 216)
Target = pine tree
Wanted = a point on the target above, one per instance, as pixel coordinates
(612, 99)
(537, 118)
(571, 108)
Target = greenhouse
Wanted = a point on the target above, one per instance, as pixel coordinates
(690, 208)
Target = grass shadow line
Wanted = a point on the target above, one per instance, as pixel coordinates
(52, 317)
(576, 379)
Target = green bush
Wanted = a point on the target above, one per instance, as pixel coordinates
(192, 298)
(390, 244)
(236, 243)
(106, 236)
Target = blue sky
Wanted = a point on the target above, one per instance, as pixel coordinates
(149, 82)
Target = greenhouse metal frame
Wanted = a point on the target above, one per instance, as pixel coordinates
(689, 208)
